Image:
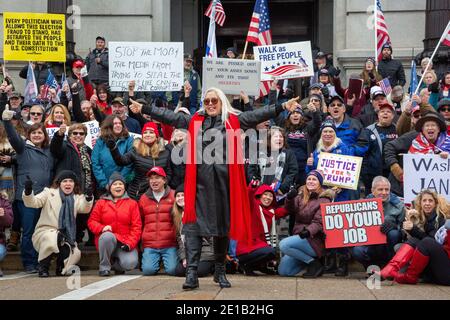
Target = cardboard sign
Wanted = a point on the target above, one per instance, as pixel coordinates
(339, 170)
(155, 66)
(285, 61)
(232, 75)
(353, 223)
(34, 36)
(425, 171)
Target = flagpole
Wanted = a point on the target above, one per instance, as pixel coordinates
(444, 34)
(375, 9)
(245, 50)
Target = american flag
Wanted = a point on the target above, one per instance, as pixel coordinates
(447, 36)
(220, 13)
(385, 85)
(259, 32)
(382, 32)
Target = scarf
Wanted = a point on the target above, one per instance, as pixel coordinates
(85, 165)
(273, 179)
(66, 220)
(421, 145)
(240, 224)
(271, 237)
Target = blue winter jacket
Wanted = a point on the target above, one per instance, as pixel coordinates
(351, 133)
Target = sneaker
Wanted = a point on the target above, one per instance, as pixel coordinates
(31, 270)
(104, 273)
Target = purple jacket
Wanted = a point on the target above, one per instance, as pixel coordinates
(6, 220)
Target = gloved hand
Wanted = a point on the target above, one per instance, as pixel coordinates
(255, 182)
(28, 186)
(387, 226)
(325, 92)
(89, 194)
(397, 171)
(434, 87)
(111, 144)
(304, 233)
(337, 73)
(293, 192)
(125, 247)
(7, 114)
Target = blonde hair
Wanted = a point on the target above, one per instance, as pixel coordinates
(145, 150)
(177, 216)
(51, 117)
(226, 106)
(321, 147)
(433, 74)
(442, 207)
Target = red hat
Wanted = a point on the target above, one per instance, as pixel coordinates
(78, 64)
(157, 170)
(387, 105)
(151, 126)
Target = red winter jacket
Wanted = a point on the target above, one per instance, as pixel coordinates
(259, 238)
(123, 217)
(158, 228)
(7, 219)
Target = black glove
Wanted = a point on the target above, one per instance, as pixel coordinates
(371, 75)
(387, 226)
(434, 87)
(111, 144)
(125, 248)
(325, 92)
(89, 194)
(292, 193)
(255, 182)
(337, 73)
(28, 186)
(304, 234)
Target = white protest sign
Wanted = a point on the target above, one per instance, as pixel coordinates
(93, 132)
(425, 171)
(135, 135)
(339, 170)
(51, 132)
(285, 61)
(155, 66)
(232, 75)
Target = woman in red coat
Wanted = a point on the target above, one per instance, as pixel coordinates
(263, 206)
(116, 223)
(306, 245)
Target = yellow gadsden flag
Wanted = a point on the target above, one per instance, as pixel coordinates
(34, 37)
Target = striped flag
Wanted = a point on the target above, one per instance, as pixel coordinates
(382, 32)
(211, 48)
(220, 12)
(259, 33)
(31, 89)
(447, 35)
(385, 85)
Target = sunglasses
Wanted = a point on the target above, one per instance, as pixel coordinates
(336, 105)
(445, 109)
(35, 114)
(212, 101)
(76, 133)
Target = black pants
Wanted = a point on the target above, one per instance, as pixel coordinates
(439, 264)
(204, 269)
(81, 222)
(17, 223)
(257, 257)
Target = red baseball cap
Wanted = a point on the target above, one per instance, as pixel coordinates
(151, 126)
(157, 170)
(387, 105)
(78, 64)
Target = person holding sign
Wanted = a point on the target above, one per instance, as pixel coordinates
(306, 245)
(58, 115)
(421, 224)
(34, 160)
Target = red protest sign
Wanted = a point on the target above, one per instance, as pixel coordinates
(353, 223)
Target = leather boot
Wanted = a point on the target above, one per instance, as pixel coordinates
(342, 265)
(401, 258)
(64, 252)
(419, 262)
(220, 245)
(44, 266)
(193, 247)
(329, 263)
(315, 269)
(13, 242)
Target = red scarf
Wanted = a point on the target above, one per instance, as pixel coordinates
(240, 220)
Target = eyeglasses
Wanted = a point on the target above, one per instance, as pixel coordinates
(76, 133)
(35, 114)
(444, 109)
(212, 101)
(314, 100)
(336, 105)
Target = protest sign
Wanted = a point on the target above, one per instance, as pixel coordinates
(339, 170)
(93, 132)
(52, 131)
(285, 61)
(135, 135)
(155, 66)
(34, 36)
(425, 171)
(232, 75)
(353, 223)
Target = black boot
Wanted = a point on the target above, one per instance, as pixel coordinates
(193, 248)
(220, 245)
(44, 266)
(315, 269)
(329, 263)
(342, 265)
(64, 252)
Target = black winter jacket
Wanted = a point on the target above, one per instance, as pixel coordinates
(392, 69)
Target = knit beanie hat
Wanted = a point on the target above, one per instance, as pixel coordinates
(151, 126)
(328, 123)
(115, 176)
(316, 174)
(179, 189)
(66, 174)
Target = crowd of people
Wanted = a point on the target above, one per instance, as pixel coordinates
(147, 195)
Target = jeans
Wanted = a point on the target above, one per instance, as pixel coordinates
(115, 258)
(297, 253)
(380, 253)
(257, 257)
(2, 252)
(151, 259)
(29, 218)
